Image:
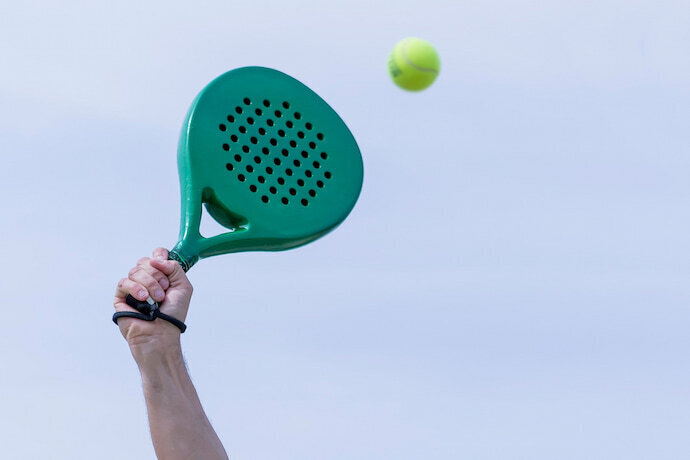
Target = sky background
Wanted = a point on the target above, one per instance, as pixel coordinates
(513, 283)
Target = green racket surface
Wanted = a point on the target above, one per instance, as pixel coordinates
(269, 159)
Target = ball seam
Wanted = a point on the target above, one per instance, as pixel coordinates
(413, 65)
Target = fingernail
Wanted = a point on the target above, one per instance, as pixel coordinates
(143, 294)
(161, 257)
(158, 293)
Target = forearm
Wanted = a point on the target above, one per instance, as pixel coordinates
(179, 426)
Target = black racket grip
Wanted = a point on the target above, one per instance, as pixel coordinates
(173, 255)
(142, 306)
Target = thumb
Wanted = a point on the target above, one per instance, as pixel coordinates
(171, 269)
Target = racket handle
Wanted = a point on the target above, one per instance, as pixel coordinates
(146, 307)
(173, 255)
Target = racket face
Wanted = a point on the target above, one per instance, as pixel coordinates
(270, 159)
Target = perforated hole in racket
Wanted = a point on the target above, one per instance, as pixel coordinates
(279, 134)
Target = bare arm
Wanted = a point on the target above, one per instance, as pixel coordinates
(179, 427)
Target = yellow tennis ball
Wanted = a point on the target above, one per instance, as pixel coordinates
(413, 64)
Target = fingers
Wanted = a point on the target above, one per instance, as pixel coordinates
(164, 282)
(160, 253)
(167, 267)
(127, 286)
(173, 271)
(141, 275)
(144, 264)
(151, 277)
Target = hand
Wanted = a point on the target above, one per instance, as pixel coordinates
(163, 280)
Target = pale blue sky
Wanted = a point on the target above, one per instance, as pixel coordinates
(513, 283)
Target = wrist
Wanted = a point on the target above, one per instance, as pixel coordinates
(158, 348)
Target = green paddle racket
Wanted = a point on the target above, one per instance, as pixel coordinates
(271, 162)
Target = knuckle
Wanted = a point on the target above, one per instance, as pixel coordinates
(151, 285)
(134, 271)
(148, 281)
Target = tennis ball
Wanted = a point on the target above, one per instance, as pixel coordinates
(413, 64)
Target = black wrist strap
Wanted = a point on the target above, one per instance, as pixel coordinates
(147, 313)
(157, 314)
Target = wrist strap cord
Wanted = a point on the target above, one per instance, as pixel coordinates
(147, 312)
